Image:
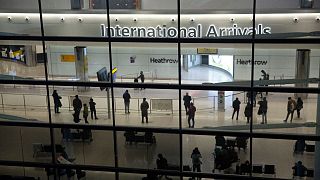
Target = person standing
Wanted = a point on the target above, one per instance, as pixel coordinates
(93, 111)
(191, 114)
(236, 107)
(196, 161)
(141, 76)
(144, 110)
(186, 100)
(85, 113)
(56, 101)
(248, 112)
(77, 105)
(126, 97)
(263, 108)
(299, 106)
(291, 106)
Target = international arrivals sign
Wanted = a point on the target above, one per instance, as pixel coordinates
(162, 31)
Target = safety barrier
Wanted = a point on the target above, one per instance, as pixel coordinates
(39, 101)
(148, 75)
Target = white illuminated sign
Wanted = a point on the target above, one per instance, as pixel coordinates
(190, 32)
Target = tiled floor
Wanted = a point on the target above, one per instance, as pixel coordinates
(30, 102)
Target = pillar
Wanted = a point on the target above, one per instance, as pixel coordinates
(302, 70)
(30, 55)
(81, 64)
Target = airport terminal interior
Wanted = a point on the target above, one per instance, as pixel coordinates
(170, 89)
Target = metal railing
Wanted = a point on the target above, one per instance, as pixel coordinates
(39, 101)
(148, 75)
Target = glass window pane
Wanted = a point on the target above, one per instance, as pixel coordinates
(84, 146)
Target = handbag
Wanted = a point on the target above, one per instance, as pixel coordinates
(259, 111)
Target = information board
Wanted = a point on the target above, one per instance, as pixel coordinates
(162, 104)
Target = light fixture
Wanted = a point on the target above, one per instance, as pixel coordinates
(295, 19)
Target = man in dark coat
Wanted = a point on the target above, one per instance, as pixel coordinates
(77, 105)
(144, 110)
(236, 107)
(126, 97)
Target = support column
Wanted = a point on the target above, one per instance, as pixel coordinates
(317, 150)
(302, 70)
(30, 55)
(81, 64)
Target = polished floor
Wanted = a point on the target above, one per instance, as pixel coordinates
(30, 102)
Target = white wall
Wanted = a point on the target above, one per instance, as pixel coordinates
(279, 62)
(98, 58)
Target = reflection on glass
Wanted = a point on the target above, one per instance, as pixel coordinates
(82, 146)
(283, 158)
(142, 149)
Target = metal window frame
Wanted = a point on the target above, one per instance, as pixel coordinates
(179, 130)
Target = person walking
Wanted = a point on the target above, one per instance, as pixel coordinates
(236, 107)
(291, 106)
(248, 112)
(77, 105)
(299, 106)
(56, 101)
(85, 113)
(144, 110)
(126, 97)
(191, 114)
(141, 76)
(196, 161)
(93, 111)
(263, 108)
(186, 100)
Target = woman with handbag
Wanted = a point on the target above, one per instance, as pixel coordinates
(56, 101)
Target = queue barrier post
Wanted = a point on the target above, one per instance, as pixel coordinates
(2, 101)
(24, 103)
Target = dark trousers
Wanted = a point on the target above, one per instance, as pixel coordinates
(76, 114)
(234, 111)
(196, 168)
(248, 119)
(187, 106)
(126, 107)
(93, 111)
(288, 113)
(298, 112)
(56, 108)
(144, 116)
(191, 121)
